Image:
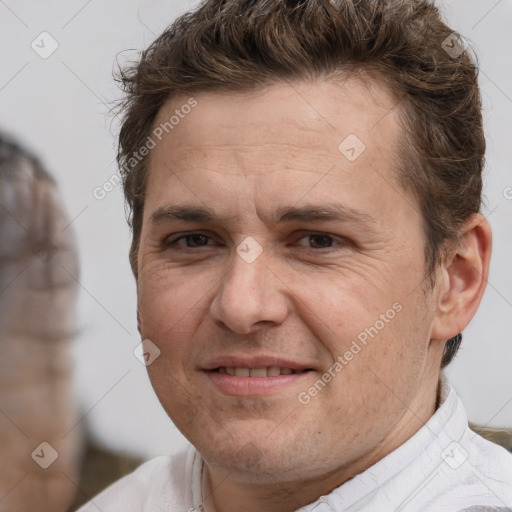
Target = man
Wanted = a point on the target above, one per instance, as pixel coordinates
(304, 180)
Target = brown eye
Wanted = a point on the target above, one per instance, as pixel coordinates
(187, 241)
(196, 240)
(320, 241)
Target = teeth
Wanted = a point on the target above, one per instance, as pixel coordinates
(259, 372)
(272, 371)
(242, 372)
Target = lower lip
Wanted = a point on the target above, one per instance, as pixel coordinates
(253, 386)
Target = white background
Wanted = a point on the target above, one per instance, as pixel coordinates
(57, 107)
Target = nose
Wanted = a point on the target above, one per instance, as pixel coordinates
(250, 297)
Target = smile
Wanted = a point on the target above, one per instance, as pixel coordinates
(256, 382)
(271, 371)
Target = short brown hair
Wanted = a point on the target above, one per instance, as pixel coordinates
(242, 45)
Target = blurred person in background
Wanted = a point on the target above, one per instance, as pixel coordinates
(40, 438)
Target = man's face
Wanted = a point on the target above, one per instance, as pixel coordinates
(305, 254)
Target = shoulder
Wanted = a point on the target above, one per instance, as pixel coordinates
(483, 468)
(478, 476)
(490, 461)
(159, 484)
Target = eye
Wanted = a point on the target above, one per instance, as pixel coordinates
(189, 240)
(320, 241)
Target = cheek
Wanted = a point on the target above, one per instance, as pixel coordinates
(169, 307)
(337, 308)
(368, 326)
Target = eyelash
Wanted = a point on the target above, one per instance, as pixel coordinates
(336, 241)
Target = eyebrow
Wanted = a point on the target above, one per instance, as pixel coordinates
(327, 212)
(330, 212)
(187, 213)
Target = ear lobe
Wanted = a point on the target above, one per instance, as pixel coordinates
(463, 279)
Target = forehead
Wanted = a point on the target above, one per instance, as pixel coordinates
(281, 113)
(286, 136)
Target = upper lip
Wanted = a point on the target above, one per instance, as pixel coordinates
(254, 362)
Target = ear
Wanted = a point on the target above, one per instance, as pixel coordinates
(462, 279)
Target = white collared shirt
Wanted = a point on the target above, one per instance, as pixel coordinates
(444, 467)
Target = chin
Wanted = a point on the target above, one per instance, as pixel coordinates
(254, 453)
(248, 463)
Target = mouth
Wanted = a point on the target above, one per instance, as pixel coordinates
(270, 371)
(257, 378)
